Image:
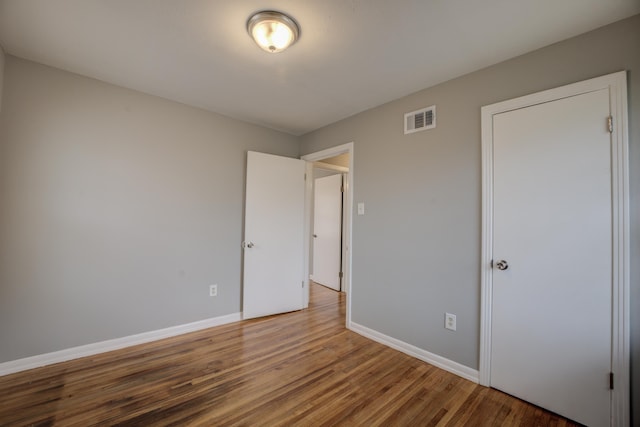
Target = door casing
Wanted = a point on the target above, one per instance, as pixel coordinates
(617, 85)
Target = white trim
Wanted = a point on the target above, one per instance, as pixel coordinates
(617, 85)
(620, 405)
(435, 360)
(314, 157)
(110, 345)
(306, 248)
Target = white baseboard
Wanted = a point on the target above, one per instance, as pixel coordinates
(439, 361)
(114, 344)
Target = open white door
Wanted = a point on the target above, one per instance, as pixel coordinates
(327, 231)
(274, 235)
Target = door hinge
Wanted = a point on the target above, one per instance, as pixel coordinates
(341, 275)
(610, 380)
(342, 188)
(610, 124)
(303, 283)
(305, 176)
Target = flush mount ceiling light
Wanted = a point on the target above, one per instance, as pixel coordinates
(273, 31)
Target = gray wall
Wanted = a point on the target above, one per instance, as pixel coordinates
(117, 210)
(1, 74)
(416, 252)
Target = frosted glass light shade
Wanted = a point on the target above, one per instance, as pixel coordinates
(273, 31)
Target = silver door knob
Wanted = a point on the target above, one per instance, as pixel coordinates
(247, 245)
(250, 245)
(502, 265)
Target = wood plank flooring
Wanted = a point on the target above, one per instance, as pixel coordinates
(302, 368)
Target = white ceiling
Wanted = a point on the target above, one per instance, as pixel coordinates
(352, 54)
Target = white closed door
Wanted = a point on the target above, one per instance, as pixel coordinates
(274, 231)
(552, 248)
(327, 231)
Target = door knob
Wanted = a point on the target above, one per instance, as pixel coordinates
(315, 235)
(247, 245)
(502, 265)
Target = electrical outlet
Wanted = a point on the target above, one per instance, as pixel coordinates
(213, 290)
(450, 321)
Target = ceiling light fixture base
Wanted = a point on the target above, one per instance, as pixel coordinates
(273, 31)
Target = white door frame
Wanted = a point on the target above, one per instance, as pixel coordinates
(315, 157)
(617, 85)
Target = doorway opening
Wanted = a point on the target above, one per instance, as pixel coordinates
(328, 253)
(327, 244)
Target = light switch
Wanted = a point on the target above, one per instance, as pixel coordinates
(360, 208)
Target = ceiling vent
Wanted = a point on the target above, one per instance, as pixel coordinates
(420, 120)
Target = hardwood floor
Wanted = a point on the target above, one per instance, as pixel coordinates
(302, 368)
